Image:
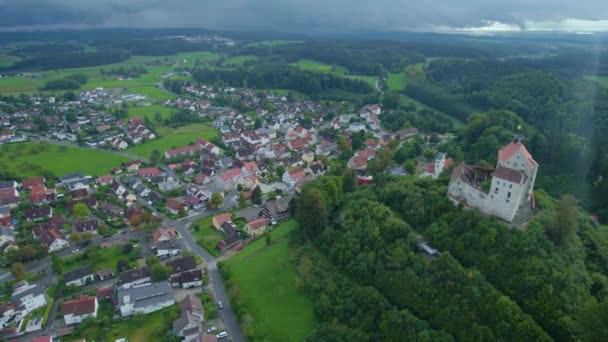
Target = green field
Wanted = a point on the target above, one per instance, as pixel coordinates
(204, 57)
(107, 258)
(312, 65)
(266, 285)
(173, 137)
(602, 80)
(7, 60)
(149, 112)
(272, 43)
(396, 81)
(152, 328)
(369, 79)
(239, 60)
(207, 236)
(35, 159)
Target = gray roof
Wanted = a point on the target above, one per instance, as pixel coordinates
(78, 273)
(146, 295)
(34, 290)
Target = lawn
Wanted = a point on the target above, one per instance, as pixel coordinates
(266, 286)
(396, 81)
(107, 258)
(170, 138)
(31, 159)
(150, 112)
(207, 236)
(152, 328)
(371, 80)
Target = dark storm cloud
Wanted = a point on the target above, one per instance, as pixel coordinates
(299, 15)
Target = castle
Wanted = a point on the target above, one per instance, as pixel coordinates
(511, 183)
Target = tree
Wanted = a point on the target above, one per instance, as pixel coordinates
(81, 211)
(74, 237)
(242, 201)
(18, 271)
(256, 195)
(349, 180)
(268, 239)
(593, 321)
(159, 272)
(158, 117)
(312, 212)
(155, 157)
(151, 260)
(410, 167)
(122, 265)
(127, 248)
(216, 200)
(56, 263)
(563, 225)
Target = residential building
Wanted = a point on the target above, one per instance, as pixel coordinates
(182, 264)
(189, 324)
(293, 175)
(74, 311)
(218, 220)
(38, 213)
(163, 235)
(257, 227)
(174, 206)
(145, 299)
(136, 277)
(28, 297)
(188, 279)
(87, 226)
(276, 210)
(166, 249)
(79, 276)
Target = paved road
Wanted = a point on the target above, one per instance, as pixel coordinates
(231, 322)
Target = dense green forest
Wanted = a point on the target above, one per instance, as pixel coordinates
(369, 235)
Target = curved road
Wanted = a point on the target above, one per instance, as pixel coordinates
(215, 278)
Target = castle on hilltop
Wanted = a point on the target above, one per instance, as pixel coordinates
(505, 191)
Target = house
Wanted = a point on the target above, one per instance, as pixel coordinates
(162, 234)
(166, 249)
(208, 146)
(90, 202)
(28, 297)
(228, 228)
(6, 221)
(105, 293)
(145, 299)
(257, 227)
(8, 312)
(511, 184)
(182, 264)
(228, 242)
(276, 210)
(231, 177)
(74, 311)
(359, 160)
(135, 278)
(168, 184)
(105, 180)
(79, 194)
(87, 226)
(79, 276)
(50, 237)
(189, 324)
(183, 151)
(132, 165)
(38, 213)
(218, 220)
(293, 175)
(27, 184)
(148, 172)
(188, 279)
(118, 188)
(174, 206)
(435, 168)
(105, 274)
(297, 144)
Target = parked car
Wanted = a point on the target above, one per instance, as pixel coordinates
(212, 329)
(220, 305)
(222, 335)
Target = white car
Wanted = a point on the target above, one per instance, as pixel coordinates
(75, 251)
(222, 335)
(212, 329)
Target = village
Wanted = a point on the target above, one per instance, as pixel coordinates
(125, 242)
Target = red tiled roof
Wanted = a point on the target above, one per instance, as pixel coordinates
(221, 218)
(257, 223)
(82, 306)
(512, 148)
(148, 172)
(30, 182)
(184, 150)
(174, 203)
(230, 175)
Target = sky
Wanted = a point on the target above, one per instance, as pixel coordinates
(312, 15)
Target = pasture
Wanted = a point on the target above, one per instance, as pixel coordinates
(170, 138)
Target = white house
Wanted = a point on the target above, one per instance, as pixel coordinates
(435, 168)
(79, 276)
(135, 278)
(74, 311)
(28, 298)
(189, 324)
(145, 299)
(511, 183)
(166, 249)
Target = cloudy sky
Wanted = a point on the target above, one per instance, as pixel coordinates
(312, 15)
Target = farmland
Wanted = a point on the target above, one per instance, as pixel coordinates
(35, 159)
(173, 137)
(150, 112)
(396, 81)
(309, 64)
(276, 311)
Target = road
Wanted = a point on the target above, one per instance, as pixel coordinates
(230, 319)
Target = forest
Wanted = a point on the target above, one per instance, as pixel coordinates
(369, 236)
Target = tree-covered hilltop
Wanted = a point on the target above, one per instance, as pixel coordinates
(546, 281)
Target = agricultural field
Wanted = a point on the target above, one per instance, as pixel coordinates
(371, 80)
(150, 112)
(602, 80)
(204, 57)
(276, 310)
(173, 137)
(31, 159)
(153, 92)
(271, 43)
(7, 60)
(239, 60)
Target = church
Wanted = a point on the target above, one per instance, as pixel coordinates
(505, 191)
